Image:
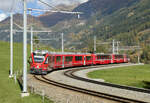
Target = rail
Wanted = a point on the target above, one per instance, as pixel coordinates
(85, 91)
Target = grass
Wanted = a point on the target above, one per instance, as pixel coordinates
(137, 76)
(9, 91)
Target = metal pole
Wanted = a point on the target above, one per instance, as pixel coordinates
(11, 46)
(31, 34)
(117, 47)
(95, 44)
(31, 39)
(25, 49)
(139, 58)
(113, 50)
(62, 35)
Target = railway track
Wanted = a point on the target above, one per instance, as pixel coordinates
(70, 74)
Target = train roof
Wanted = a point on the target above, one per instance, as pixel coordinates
(107, 54)
(68, 53)
(65, 53)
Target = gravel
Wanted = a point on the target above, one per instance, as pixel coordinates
(58, 76)
(60, 95)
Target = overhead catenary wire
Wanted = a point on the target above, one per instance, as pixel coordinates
(47, 4)
(12, 7)
(24, 92)
(54, 11)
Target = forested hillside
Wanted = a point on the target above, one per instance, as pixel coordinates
(127, 21)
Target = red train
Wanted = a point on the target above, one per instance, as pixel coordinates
(42, 61)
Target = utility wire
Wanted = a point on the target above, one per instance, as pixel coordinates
(12, 7)
(48, 4)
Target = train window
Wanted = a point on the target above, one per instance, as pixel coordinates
(118, 56)
(49, 59)
(38, 59)
(98, 57)
(46, 61)
(103, 57)
(58, 58)
(88, 58)
(78, 58)
(38, 54)
(68, 58)
(107, 57)
(53, 59)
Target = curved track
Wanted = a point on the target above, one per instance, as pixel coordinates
(70, 74)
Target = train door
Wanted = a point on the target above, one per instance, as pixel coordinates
(112, 58)
(68, 61)
(93, 59)
(124, 58)
(63, 61)
(53, 61)
(84, 60)
(58, 63)
(49, 62)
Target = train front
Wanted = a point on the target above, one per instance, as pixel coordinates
(38, 62)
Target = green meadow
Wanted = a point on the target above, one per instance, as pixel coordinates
(137, 76)
(9, 91)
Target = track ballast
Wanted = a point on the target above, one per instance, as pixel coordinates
(70, 74)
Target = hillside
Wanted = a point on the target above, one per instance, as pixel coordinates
(129, 24)
(18, 19)
(104, 6)
(127, 21)
(124, 24)
(49, 19)
(88, 8)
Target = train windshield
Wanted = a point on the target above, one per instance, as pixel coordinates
(38, 59)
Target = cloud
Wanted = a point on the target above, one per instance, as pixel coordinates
(2, 16)
(12, 5)
(6, 5)
(57, 2)
(82, 1)
(17, 5)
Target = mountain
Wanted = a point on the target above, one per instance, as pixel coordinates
(18, 24)
(50, 19)
(124, 20)
(127, 21)
(88, 8)
(104, 6)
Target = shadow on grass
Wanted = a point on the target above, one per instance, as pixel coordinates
(146, 84)
(20, 82)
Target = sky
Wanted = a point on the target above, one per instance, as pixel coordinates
(16, 6)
